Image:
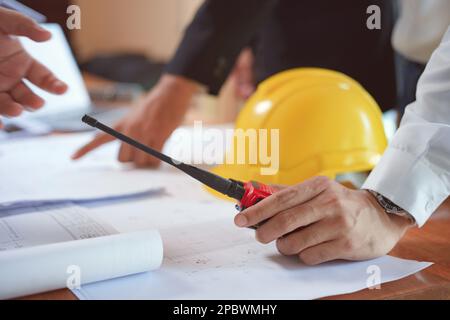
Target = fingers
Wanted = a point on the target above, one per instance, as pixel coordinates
(138, 157)
(14, 23)
(39, 75)
(99, 140)
(9, 107)
(141, 159)
(27, 98)
(287, 221)
(20, 97)
(125, 153)
(304, 238)
(326, 251)
(282, 200)
(278, 187)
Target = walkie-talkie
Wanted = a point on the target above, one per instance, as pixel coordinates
(246, 193)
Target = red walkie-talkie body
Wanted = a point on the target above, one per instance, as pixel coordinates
(254, 192)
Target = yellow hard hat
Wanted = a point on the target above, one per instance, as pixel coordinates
(328, 124)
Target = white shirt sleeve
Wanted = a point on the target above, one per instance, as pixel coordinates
(410, 37)
(414, 172)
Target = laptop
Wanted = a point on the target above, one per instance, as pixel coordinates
(61, 113)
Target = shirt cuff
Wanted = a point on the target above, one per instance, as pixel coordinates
(408, 182)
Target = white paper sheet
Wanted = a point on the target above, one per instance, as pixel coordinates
(41, 168)
(207, 257)
(40, 251)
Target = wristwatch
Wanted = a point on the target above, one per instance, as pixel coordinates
(390, 207)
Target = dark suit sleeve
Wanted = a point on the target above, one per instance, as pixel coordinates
(214, 39)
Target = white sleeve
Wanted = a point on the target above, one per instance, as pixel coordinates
(414, 172)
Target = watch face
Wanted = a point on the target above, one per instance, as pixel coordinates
(387, 204)
(390, 207)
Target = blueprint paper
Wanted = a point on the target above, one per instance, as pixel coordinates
(207, 257)
(39, 251)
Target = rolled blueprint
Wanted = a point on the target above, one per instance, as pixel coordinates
(44, 268)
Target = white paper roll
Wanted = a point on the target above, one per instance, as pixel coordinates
(38, 269)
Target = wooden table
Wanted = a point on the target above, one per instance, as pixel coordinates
(430, 243)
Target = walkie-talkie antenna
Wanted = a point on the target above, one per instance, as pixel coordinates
(227, 187)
